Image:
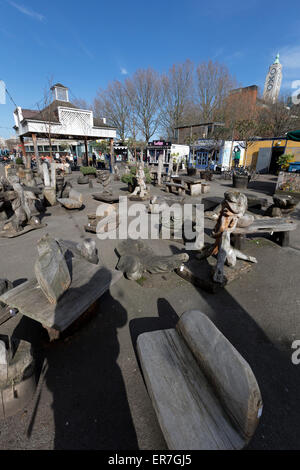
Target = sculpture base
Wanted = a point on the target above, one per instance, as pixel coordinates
(200, 272)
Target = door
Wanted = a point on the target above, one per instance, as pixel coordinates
(263, 160)
(202, 160)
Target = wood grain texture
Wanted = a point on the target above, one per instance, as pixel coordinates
(268, 225)
(228, 372)
(89, 282)
(204, 393)
(190, 415)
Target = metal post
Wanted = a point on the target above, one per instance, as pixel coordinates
(86, 152)
(112, 155)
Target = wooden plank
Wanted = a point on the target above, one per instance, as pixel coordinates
(230, 375)
(187, 179)
(190, 415)
(89, 282)
(269, 225)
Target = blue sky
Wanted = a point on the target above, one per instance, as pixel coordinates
(86, 44)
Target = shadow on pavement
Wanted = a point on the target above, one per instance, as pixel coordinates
(90, 405)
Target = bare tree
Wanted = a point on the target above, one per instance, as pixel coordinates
(81, 103)
(11, 144)
(176, 89)
(213, 84)
(113, 103)
(275, 120)
(47, 112)
(143, 91)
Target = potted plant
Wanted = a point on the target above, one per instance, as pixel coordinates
(284, 161)
(241, 179)
(131, 181)
(89, 171)
(19, 161)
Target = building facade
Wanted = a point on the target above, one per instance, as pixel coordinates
(262, 154)
(168, 150)
(273, 82)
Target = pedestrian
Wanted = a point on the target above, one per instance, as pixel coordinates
(94, 160)
(236, 156)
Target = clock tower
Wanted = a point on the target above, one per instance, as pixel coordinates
(273, 82)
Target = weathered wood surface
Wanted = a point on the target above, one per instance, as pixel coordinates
(227, 371)
(189, 414)
(268, 225)
(26, 229)
(51, 269)
(205, 395)
(187, 179)
(175, 185)
(89, 282)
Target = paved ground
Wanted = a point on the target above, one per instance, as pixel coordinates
(91, 394)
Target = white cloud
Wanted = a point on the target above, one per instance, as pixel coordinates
(290, 60)
(27, 11)
(124, 71)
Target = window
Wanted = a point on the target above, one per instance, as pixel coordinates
(62, 94)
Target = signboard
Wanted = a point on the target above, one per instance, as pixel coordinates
(159, 143)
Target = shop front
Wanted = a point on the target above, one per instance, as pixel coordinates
(157, 148)
(205, 154)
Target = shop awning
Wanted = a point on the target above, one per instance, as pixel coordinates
(294, 135)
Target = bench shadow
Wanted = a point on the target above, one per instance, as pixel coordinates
(167, 319)
(89, 401)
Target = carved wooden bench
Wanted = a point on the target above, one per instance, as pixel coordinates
(172, 187)
(204, 393)
(279, 229)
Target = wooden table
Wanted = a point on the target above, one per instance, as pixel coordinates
(192, 184)
(154, 176)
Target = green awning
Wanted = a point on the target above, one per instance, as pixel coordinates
(294, 135)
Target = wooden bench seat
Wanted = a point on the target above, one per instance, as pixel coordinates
(175, 186)
(204, 393)
(279, 226)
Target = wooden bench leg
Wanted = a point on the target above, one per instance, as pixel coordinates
(282, 238)
(238, 241)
